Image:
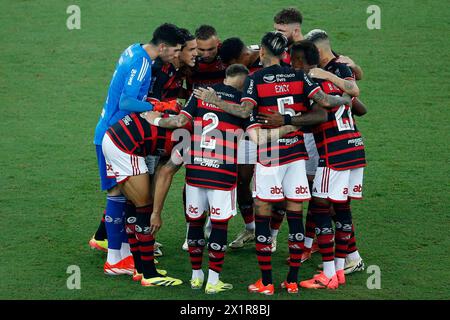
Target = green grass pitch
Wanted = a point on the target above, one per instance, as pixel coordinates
(53, 82)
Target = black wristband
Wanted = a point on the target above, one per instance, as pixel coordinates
(287, 119)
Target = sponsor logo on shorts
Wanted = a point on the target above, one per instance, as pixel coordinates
(192, 209)
(357, 188)
(215, 211)
(301, 190)
(276, 190)
(345, 191)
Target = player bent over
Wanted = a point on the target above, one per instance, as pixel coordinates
(211, 175)
(125, 146)
(127, 92)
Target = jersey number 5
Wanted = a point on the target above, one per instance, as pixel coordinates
(211, 142)
(285, 101)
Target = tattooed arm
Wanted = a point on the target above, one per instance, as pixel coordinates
(242, 110)
(177, 121)
(329, 101)
(348, 86)
(274, 118)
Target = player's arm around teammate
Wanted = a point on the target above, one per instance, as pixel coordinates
(348, 85)
(208, 95)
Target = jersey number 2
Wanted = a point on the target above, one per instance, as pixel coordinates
(211, 142)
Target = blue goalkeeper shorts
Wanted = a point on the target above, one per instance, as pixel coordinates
(105, 182)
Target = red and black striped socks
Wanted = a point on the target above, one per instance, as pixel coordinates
(130, 224)
(343, 233)
(146, 241)
(264, 247)
(196, 242)
(325, 235)
(217, 244)
(295, 242)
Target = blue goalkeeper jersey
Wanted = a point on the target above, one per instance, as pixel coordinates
(128, 89)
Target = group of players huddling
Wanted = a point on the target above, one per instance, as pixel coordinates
(264, 128)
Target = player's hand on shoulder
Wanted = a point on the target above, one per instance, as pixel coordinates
(208, 95)
(346, 60)
(273, 119)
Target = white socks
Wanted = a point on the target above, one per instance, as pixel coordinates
(198, 274)
(274, 233)
(250, 226)
(329, 269)
(125, 250)
(114, 256)
(339, 263)
(213, 277)
(353, 256)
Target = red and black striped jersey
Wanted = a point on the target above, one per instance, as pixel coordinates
(339, 143)
(213, 152)
(167, 82)
(206, 74)
(283, 89)
(134, 135)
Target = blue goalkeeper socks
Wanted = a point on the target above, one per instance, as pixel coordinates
(115, 206)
